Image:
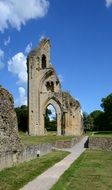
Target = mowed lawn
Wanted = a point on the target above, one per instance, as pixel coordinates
(91, 171)
(50, 138)
(99, 133)
(16, 177)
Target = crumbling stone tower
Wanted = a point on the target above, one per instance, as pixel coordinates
(44, 88)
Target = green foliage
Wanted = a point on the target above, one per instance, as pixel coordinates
(107, 106)
(50, 125)
(107, 103)
(22, 116)
(100, 120)
(88, 122)
(47, 119)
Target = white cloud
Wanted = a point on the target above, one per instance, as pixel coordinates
(53, 112)
(1, 58)
(16, 12)
(1, 53)
(17, 66)
(6, 42)
(28, 48)
(41, 38)
(108, 3)
(22, 100)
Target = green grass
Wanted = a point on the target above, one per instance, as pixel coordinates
(50, 138)
(99, 133)
(16, 177)
(91, 171)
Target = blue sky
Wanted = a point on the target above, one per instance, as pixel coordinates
(81, 38)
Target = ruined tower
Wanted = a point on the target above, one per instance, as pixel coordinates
(44, 88)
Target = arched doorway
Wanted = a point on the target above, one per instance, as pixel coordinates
(50, 119)
(56, 107)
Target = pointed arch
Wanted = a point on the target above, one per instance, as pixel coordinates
(46, 75)
(44, 61)
(57, 105)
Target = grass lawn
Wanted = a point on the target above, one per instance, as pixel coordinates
(91, 171)
(16, 177)
(26, 139)
(99, 133)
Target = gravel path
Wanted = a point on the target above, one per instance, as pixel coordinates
(47, 179)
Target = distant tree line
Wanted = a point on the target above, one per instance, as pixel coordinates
(100, 120)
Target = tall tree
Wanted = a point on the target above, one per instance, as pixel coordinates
(107, 103)
(22, 116)
(47, 118)
(88, 122)
(98, 120)
(107, 107)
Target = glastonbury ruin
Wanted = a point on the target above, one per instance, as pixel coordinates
(44, 88)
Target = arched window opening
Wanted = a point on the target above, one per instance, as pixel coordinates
(50, 86)
(51, 119)
(43, 61)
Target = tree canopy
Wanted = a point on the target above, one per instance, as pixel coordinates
(22, 116)
(50, 125)
(100, 120)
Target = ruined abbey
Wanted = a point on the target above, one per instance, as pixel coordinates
(44, 89)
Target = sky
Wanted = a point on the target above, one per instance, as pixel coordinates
(81, 46)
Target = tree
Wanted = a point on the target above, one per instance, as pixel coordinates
(98, 120)
(22, 116)
(107, 107)
(107, 103)
(95, 121)
(50, 125)
(88, 122)
(47, 118)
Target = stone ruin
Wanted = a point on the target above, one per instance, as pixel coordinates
(44, 88)
(10, 143)
(11, 149)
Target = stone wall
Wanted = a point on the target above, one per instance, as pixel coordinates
(8, 159)
(32, 151)
(68, 143)
(29, 152)
(9, 139)
(10, 143)
(100, 143)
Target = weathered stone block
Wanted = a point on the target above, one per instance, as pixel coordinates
(10, 143)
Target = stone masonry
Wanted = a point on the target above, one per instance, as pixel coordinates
(44, 88)
(10, 143)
